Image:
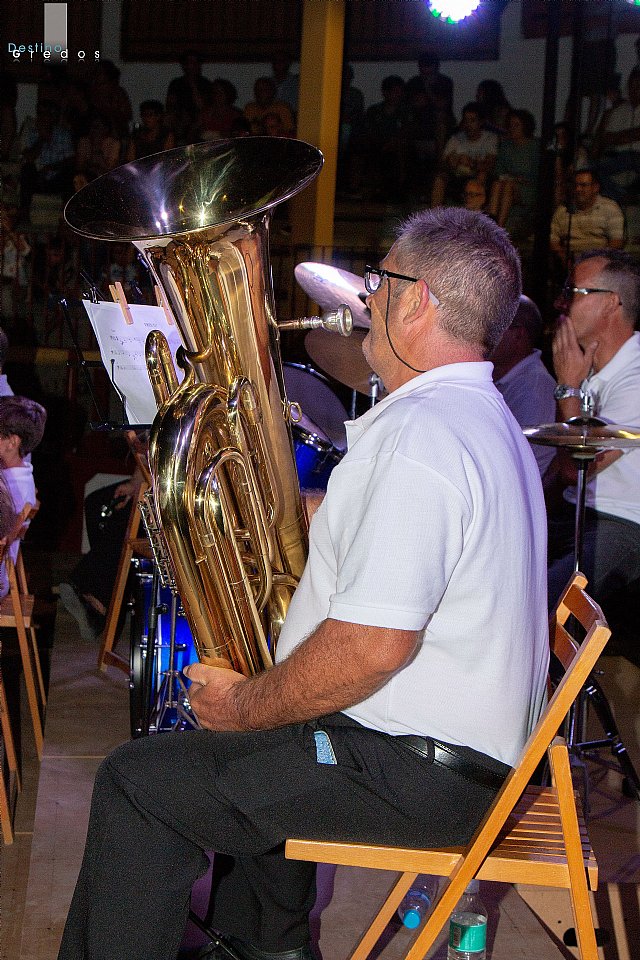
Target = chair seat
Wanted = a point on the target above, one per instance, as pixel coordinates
(530, 849)
(7, 617)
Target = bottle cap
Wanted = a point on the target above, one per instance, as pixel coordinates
(412, 918)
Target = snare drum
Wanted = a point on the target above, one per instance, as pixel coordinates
(150, 685)
(319, 437)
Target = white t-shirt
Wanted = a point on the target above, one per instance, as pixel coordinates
(459, 144)
(434, 521)
(623, 117)
(19, 481)
(616, 393)
(528, 392)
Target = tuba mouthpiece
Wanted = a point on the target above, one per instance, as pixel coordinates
(339, 321)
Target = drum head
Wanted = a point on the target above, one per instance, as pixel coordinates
(323, 413)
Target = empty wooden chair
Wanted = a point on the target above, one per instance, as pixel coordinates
(16, 612)
(532, 835)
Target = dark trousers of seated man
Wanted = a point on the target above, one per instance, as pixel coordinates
(610, 553)
(160, 802)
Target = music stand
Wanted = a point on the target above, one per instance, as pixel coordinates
(584, 437)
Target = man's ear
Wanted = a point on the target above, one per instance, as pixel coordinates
(419, 301)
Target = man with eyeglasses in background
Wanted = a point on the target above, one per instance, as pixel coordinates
(412, 662)
(596, 353)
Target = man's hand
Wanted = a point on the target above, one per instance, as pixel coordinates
(211, 696)
(571, 362)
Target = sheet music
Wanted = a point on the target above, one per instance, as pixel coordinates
(123, 344)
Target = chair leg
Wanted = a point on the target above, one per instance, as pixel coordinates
(113, 613)
(28, 658)
(585, 932)
(7, 736)
(38, 666)
(379, 924)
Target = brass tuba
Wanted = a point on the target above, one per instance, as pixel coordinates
(225, 489)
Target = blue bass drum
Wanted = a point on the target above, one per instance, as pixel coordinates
(319, 437)
(158, 699)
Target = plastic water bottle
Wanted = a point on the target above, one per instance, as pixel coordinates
(417, 901)
(468, 927)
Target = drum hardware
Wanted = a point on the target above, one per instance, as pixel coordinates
(584, 437)
(330, 286)
(159, 697)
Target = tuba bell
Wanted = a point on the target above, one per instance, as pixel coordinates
(225, 496)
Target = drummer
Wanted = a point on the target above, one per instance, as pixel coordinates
(421, 612)
(596, 351)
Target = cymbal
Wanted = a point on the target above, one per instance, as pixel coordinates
(588, 434)
(342, 358)
(329, 287)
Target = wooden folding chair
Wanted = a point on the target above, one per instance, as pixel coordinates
(16, 612)
(132, 545)
(532, 835)
(11, 785)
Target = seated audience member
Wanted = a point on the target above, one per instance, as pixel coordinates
(5, 389)
(109, 99)
(218, 114)
(186, 99)
(474, 196)
(47, 157)
(566, 160)
(495, 106)
(88, 594)
(96, 153)
(14, 258)
(8, 117)
(514, 190)
(468, 154)
(287, 84)
(522, 378)
(316, 745)
(437, 86)
(8, 519)
(385, 141)
(264, 90)
(596, 350)
(619, 138)
(595, 222)
(152, 136)
(22, 423)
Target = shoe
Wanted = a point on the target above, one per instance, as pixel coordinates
(74, 605)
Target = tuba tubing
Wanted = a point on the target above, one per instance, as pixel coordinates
(224, 480)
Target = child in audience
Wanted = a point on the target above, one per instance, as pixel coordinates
(21, 429)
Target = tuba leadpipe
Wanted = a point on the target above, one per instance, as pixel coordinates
(224, 481)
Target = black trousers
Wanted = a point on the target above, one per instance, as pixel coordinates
(160, 802)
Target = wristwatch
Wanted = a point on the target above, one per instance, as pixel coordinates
(563, 391)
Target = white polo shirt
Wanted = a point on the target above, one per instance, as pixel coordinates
(616, 393)
(434, 521)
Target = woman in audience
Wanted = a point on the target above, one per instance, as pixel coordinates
(514, 189)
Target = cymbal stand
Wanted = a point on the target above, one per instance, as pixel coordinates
(374, 389)
(592, 694)
(173, 693)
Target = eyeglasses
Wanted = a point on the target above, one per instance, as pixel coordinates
(373, 278)
(568, 292)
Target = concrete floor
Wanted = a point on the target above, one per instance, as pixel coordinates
(87, 716)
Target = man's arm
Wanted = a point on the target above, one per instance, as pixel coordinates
(338, 665)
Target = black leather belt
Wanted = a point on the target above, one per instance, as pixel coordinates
(447, 755)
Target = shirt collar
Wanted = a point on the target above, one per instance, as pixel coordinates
(619, 360)
(478, 371)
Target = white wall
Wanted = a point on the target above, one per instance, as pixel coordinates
(520, 69)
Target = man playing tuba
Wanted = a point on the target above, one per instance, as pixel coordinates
(412, 662)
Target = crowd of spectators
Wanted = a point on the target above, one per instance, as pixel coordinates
(409, 148)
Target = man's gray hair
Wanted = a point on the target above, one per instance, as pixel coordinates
(620, 273)
(472, 267)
